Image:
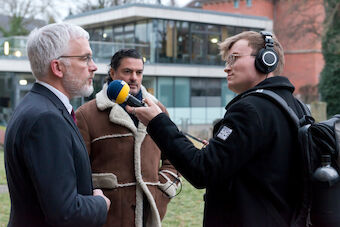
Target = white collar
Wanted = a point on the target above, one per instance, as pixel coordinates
(63, 98)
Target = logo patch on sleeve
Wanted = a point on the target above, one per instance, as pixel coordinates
(224, 133)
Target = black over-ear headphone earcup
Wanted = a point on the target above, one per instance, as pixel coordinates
(266, 60)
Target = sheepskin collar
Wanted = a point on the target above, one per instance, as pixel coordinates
(117, 114)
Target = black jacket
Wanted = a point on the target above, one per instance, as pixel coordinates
(250, 168)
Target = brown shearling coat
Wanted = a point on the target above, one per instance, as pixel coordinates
(126, 163)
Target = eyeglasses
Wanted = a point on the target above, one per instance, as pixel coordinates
(85, 58)
(233, 57)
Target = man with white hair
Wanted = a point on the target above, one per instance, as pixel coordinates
(47, 166)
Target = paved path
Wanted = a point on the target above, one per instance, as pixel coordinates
(3, 189)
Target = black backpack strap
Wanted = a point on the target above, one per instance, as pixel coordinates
(299, 213)
(305, 109)
(272, 96)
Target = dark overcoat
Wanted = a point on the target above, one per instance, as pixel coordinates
(47, 166)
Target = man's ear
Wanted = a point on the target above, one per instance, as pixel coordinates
(57, 68)
(112, 73)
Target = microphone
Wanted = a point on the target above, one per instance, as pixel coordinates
(118, 91)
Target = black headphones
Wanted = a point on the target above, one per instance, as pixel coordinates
(267, 59)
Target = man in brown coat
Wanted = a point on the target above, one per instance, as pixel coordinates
(126, 164)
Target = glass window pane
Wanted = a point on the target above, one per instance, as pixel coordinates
(6, 96)
(141, 32)
(213, 57)
(227, 31)
(198, 101)
(214, 101)
(118, 29)
(170, 30)
(152, 29)
(206, 92)
(182, 39)
(236, 3)
(118, 38)
(213, 28)
(149, 82)
(129, 38)
(97, 34)
(240, 29)
(198, 27)
(198, 87)
(165, 91)
(212, 86)
(108, 34)
(165, 43)
(182, 92)
(197, 48)
(128, 27)
(142, 38)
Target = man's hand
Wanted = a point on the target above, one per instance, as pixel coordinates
(99, 192)
(145, 114)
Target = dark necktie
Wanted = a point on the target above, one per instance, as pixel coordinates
(73, 116)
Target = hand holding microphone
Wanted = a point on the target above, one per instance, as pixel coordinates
(118, 91)
(145, 114)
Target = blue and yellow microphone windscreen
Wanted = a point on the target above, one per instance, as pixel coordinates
(118, 91)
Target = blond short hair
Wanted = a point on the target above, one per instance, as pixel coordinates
(256, 42)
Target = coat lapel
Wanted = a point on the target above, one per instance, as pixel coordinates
(40, 89)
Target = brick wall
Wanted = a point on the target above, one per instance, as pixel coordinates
(257, 8)
(303, 69)
(292, 19)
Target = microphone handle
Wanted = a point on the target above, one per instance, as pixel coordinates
(133, 101)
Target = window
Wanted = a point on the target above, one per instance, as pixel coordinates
(165, 91)
(205, 92)
(149, 82)
(182, 40)
(236, 3)
(107, 34)
(142, 37)
(182, 92)
(97, 34)
(198, 48)
(165, 31)
(248, 2)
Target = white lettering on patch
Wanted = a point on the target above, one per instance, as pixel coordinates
(224, 133)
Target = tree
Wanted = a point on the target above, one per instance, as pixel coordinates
(302, 20)
(16, 27)
(22, 13)
(330, 76)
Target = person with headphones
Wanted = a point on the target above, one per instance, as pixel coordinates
(250, 168)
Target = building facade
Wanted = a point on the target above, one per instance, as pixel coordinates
(183, 68)
(297, 24)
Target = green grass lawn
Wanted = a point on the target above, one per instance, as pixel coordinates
(4, 197)
(2, 168)
(5, 207)
(186, 209)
